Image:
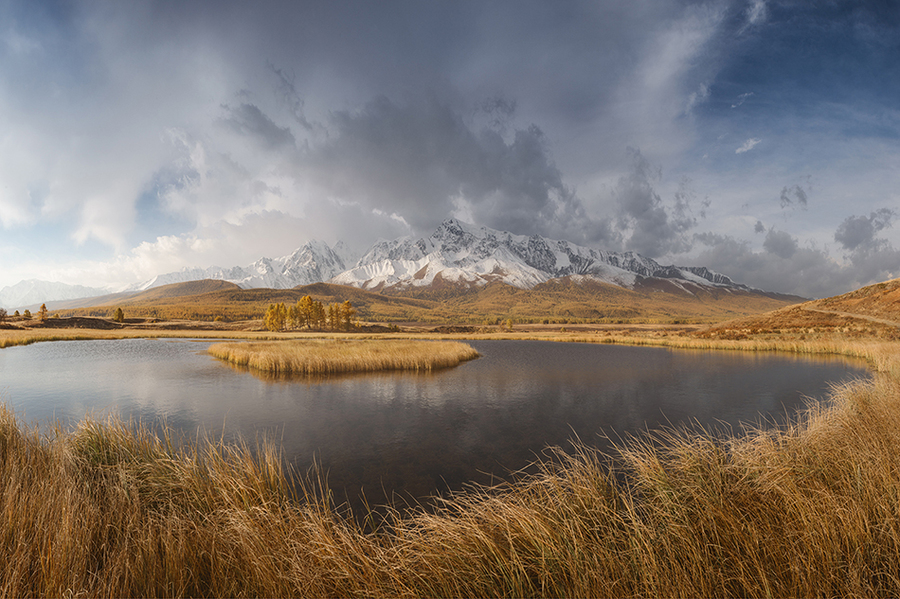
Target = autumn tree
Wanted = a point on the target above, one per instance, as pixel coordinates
(42, 312)
(27, 314)
(293, 320)
(347, 312)
(332, 317)
(317, 318)
(3, 314)
(276, 317)
(307, 309)
(119, 316)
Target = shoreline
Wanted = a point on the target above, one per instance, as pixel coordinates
(867, 348)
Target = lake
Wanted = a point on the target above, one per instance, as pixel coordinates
(413, 435)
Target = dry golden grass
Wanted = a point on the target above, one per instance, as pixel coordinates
(316, 357)
(13, 337)
(114, 509)
(811, 509)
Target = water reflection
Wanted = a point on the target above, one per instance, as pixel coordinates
(416, 434)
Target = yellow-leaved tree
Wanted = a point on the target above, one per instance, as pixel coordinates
(276, 317)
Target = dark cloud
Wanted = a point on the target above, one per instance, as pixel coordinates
(787, 267)
(793, 196)
(290, 97)
(783, 266)
(857, 233)
(653, 227)
(874, 258)
(249, 121)
(781, 244)
(759, 227)
(422, 160)
(499, 111)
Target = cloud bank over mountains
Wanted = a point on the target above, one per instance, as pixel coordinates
(757, 138)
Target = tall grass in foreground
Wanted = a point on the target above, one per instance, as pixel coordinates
(112, 509)
(332, 356)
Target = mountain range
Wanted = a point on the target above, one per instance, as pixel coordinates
(456, 255)
(35, 292)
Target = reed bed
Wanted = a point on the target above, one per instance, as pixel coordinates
(811, 509)
(318, 357)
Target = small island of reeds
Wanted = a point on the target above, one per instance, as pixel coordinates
(319, 357)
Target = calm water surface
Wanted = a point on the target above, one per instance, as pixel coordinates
(415, 435)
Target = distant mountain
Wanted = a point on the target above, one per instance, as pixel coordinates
(457, 255)
(462, 254)
(312, 263)
(33, 291)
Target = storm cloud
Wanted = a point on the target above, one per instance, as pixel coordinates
(857, 233)
(653, 227)
(423, 160)
(786, 266)
(147, 136)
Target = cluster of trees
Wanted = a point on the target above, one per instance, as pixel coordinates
(311, 314)
(42, 313)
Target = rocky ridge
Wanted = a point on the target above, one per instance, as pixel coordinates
(464, 254)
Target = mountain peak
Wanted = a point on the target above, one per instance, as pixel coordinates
(455, 253)
(463, 253)
(312, 262)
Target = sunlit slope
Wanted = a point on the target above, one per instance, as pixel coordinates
(559, 300)
(871, 310)
(589, 300)
(881, 300)
(206, 300)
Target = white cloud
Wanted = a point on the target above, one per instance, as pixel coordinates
(756, 12)
(741, 99)
(748, 145)
(698, 97)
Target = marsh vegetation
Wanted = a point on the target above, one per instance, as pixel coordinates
(317, 357)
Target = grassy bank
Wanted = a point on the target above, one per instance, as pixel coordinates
(14, 337)
(316, 357)
(112, 509)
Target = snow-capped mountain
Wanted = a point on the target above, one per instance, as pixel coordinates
(33, 291)
(312, 263)
(461, 253)
(456, 253)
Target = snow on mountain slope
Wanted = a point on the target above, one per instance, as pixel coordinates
(463, 253)
(312, 263)
(33, 291)
(456, 253)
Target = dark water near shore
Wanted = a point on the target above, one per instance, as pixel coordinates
(414, 435)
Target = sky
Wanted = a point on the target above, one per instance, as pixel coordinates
(759, 138)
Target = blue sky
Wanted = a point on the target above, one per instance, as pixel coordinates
(760, 138)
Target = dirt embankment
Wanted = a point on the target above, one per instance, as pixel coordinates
(74, 322)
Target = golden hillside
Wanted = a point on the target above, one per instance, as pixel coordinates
(873, 310)
(557, 301)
